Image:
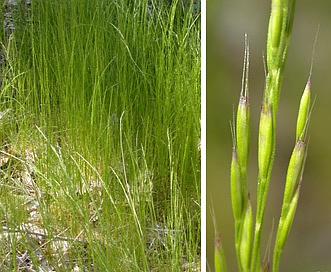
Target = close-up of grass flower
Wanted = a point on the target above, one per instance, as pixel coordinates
(248, 221)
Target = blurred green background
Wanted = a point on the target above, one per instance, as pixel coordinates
(309, 244)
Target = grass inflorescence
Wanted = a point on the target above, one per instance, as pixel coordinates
(247, 233)
(100, 126)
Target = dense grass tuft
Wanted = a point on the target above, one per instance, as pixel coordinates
(100, 127)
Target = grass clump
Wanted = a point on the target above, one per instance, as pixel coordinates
(101, 123)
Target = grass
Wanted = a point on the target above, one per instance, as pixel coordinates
(247, 232)
(100, 130)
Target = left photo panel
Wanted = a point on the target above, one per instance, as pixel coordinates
(100, 139)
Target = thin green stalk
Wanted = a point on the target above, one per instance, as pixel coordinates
(240, 201)
(279, 31)
(293, 177)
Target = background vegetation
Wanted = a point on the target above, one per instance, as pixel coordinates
(100, 125)
(308, 244)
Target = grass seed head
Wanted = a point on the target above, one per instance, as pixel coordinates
(266, 140)
(303, 112)
(236, 186)
(274, 32)
(294, 172)
(246, 237)
(243, 116)
(243, 132)
(285, 223)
